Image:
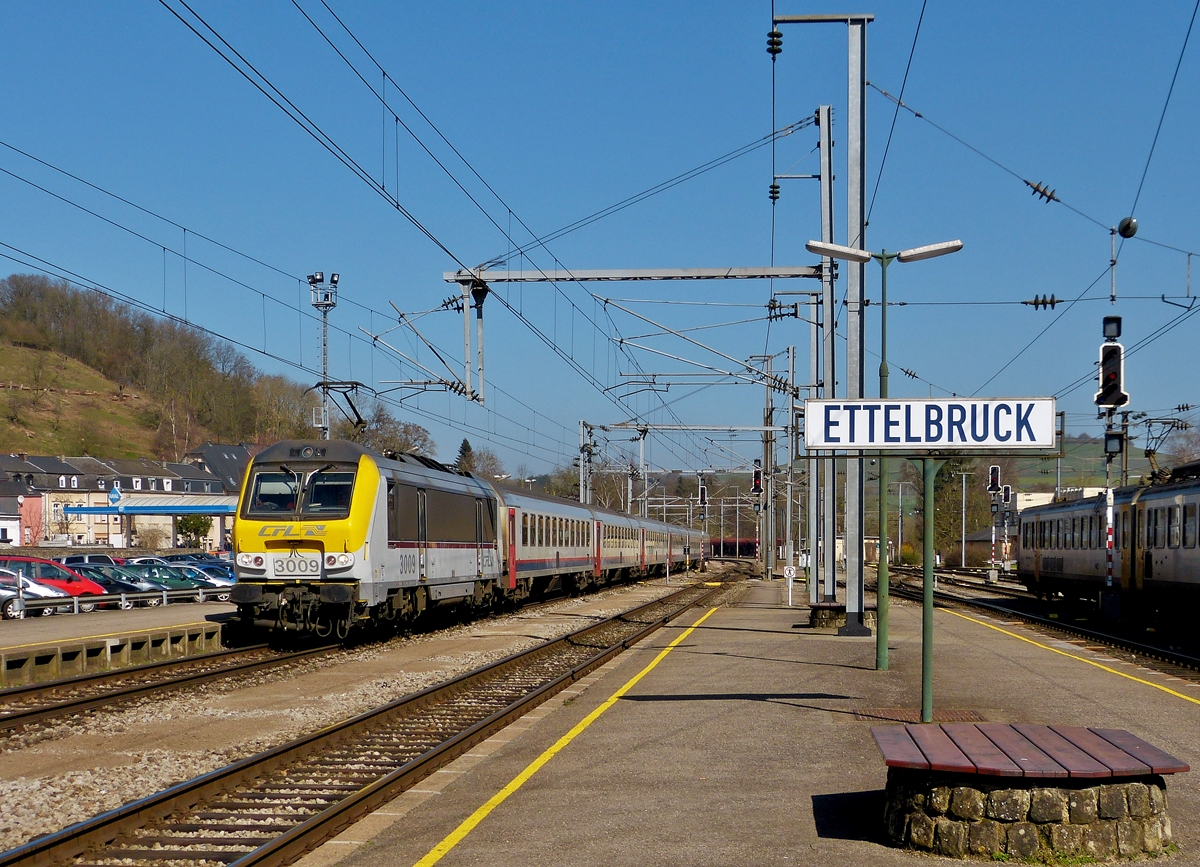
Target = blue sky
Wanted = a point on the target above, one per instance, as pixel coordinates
(566, 108)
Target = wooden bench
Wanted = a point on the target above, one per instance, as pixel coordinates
(986, 788)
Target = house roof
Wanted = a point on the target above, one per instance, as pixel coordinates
(227, 461)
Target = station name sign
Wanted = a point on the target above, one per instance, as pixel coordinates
(954, 423)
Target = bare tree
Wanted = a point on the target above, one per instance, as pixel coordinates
(488, 465)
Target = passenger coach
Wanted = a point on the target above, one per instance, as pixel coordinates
(1155, 533)
(330, 533)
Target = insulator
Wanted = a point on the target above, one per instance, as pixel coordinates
(774, 42)
(774, 192)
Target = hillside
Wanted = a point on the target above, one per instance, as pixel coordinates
(52, 404)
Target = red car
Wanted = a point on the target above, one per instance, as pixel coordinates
(54, 575)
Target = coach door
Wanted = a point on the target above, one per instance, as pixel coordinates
(512, 549)
(1137, 543)
(422, 531)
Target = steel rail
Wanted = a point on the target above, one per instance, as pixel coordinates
(1149, 651)
(41, 713)
(110, 828)
(19, 718)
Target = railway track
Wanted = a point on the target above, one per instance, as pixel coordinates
(42, 702)
(267, 810)
(1162, 659)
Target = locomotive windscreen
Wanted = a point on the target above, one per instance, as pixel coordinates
(283, 491)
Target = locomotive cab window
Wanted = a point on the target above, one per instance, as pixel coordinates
(328, 493)
(272, 494)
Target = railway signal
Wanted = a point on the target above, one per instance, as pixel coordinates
(1006, 495)
(1112, 376)
(993, 485)
(756, 487)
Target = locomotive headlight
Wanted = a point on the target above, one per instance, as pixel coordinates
(253, 561)
(339, 561)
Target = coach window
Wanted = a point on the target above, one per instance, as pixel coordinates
(1189, 526)
(487, 516)
(393, 516)
(524, 529)
(1173, 526)
(403, 502)
(450, 517)
(1125, 529)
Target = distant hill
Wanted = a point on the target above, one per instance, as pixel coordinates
(52, 404)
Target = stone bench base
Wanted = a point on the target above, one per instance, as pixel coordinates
(965, 814)
(832, 615)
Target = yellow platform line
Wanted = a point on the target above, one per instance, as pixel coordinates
(1091, 662)
(458, 834)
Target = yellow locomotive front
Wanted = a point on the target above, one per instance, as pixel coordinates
(302, 537)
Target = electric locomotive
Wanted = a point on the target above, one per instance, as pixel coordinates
(330, 534)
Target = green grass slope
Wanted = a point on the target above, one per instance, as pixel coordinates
(51, 404)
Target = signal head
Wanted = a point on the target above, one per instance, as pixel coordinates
(1112, 327)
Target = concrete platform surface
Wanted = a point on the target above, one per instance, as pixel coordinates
(749, 743)
(99, 624)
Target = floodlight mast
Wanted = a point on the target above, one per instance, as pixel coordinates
(324, 298)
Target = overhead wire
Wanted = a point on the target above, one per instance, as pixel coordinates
(550, 341)
(314, 130)
(45, 266)
(896, 114)
(1162, 116)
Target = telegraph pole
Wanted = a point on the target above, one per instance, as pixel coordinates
(323, 297)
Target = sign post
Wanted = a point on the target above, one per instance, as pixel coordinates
(927, 430)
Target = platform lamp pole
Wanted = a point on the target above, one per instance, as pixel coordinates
(884, 258)
(928, 471)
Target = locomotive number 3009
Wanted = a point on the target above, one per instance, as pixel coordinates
(297, 566)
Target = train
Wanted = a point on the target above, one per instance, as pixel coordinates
(331, 535)
(1156, 558)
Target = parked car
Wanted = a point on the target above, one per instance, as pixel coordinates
(132, 575)
(113, 586)
(193, 557)
(221, 571)
(220, 585)
(142, 561)
(30, 589)
(51, 574)
(163, 574)
(73, 559)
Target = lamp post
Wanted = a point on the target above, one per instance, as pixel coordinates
(884, 258)
(900, 518)
(962, 557)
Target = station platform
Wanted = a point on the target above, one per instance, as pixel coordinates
(38, 649)
(746, 740)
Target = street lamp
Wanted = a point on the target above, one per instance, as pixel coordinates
(884, 258)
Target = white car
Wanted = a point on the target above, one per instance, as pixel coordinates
(30, 589)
